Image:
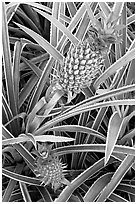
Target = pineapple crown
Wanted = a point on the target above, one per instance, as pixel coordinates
(104, 32)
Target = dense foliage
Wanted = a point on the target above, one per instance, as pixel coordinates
(57, 147)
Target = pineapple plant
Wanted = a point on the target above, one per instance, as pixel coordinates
(49, 168)
(85, 61)
(23, 172)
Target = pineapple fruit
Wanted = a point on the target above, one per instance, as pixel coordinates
(84, 61)
(49, 169)
(80, 67)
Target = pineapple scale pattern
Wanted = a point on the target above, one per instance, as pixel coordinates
(50, 171)
(80, 67)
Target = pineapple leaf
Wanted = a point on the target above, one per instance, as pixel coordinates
(124, 124)
(117, 177)
(28, 87)
(36, 70)
(60, 26)
(67, 192)
(31, 137)
(120, 149)
(66, 182)
(72, 8)
(21, 149)
(112, 134)
(34, 139)
(8, 63)
(119, 27)
(118, 6)
(12, 183)
(16, 72)
(116, 198)
(78, 128)
(130, 55)
(31, 117)
(93, 20)
(54, 29)
(131, 19)
(97, 187)
(111, 18)
(25, 192)
(91, 101)
(105, 8)
(81, 110)
(28, 20)
(45, 194)
(21, 115)
(11, 11)
(43, 43)
(21, 178)
(50, 105)
(70, 96)
(83, 26)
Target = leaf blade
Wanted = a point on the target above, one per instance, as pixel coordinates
(60, 26)
(114, 67)
(8, 63)
(78, 128)
(112, 134)
(43, 43)
(40, 138)
(97, 187)
(25, 192)
(117, 177)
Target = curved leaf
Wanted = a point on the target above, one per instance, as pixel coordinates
(11, 11)
(117, 177)
(20, 148)
(21, 115)
(6, 106)
(16, 72)
(50, 105)
(43, 43)
(31, 117)
(124, 123)
(93, 148)
(121, 62)
(112, 134)
(97, 187)
(21, 178)
(48, 10)
(116, 198)
(97, 98)
(77, 128)
(68, 190)
(40, 138)
(45, 194)
(60, 26)
(126, 188)
(82, 109)
(12, 184)
(8, 63)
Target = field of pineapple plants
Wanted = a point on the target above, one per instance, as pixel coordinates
(68, 102)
